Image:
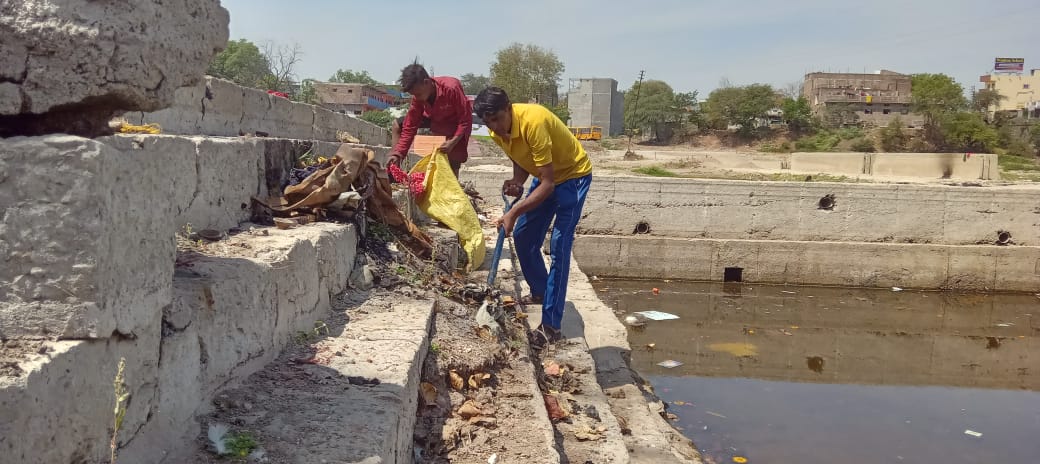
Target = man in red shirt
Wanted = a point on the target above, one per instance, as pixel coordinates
(440, 104)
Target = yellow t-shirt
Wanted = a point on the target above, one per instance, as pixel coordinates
(539, 138)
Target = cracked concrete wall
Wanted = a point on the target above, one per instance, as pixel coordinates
(79, 61)
(220, 108)
(87, 276)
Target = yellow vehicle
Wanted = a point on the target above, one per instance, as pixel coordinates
(587, 133)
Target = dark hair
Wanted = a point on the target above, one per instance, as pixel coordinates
(413, 74)
(491, 100)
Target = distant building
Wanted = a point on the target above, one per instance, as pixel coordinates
(875, 98)
(354, 98)
(596, 102)
(1018, 91)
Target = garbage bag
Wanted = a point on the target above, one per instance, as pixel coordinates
(444, 200)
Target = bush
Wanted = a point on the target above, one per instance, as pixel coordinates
(863, 145)
(655, 171)
(822, 141)
(893, 138)
(850, 133)
(770, 147)
(1019, 147)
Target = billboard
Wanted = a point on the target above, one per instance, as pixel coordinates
(1009, 64)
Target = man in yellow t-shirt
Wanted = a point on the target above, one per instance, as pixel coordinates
(540, 145)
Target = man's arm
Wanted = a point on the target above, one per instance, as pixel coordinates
(515, 187)
(409, 129)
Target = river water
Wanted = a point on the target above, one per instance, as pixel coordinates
(778, 374)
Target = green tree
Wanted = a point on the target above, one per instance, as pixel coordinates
(798, 115)
(381, 118)
(242, 62)
(657, 104)
(472, 84)
(307, 94)
(347, 76)
(893, 138)
(527, 72)
(863, 145)
(986, 98)
(561, 111)
(966, 131)
(741, 106)
(936, 95)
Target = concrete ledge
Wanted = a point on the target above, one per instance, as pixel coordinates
(221, 108)
(969, 268)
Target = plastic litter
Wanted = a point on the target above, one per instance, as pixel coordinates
(896, 289)
(656, 291)
(670, 364)
(657, 315)
(1008, 324)
(972, 433)
(716, 414)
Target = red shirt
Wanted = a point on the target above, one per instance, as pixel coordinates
(450, 115)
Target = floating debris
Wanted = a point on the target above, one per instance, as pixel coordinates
(896, 289)
(657, 315)
(972, 433)
(715, 414)
(670, 364)
(736, 349)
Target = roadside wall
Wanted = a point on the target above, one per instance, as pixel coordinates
(217, 107)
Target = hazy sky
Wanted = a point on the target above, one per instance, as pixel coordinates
(691, 44)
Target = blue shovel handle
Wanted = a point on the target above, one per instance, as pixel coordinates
(501, 240)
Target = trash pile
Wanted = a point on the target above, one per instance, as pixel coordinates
(348, 186)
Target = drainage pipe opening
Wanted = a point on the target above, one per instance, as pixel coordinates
(642, 228)
(1003, 238)
(733, 274)
(827, 202)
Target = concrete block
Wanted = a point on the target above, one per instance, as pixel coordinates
(223, 109)
(848, 164)
(86, 246)
(60, 409)
(255, 106)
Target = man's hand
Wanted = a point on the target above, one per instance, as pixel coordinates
(395, 158)
(513, 188)
(449, 145)
(506, 222)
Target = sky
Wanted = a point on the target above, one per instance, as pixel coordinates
(693, 45)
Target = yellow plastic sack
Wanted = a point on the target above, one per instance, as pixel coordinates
(443, 200)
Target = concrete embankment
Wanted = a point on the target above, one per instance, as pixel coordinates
(812, 233)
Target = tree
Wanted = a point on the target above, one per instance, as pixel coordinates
(527, 72)
(984, 99)
(741, 106)
(936, 95)
(472, 84)
(282, 61)
(307, 94)
(893, 138)
(792, 90)
(347, 76)
(241, 62)
(798, 115)
(561, 111)
(965, 131)
(658, 104)
(381, 118)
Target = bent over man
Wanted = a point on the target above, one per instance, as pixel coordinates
(540, 145)
(439, 104)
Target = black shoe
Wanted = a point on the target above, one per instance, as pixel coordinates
(543, 336)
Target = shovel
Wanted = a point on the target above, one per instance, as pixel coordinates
(484, 314)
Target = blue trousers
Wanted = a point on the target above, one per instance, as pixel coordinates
(565, 206)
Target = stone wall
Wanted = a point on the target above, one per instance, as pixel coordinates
(91, 274)
(217, 107)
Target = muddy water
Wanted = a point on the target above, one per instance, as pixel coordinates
(824, 375)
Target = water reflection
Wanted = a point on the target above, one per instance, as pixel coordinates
(800, 375)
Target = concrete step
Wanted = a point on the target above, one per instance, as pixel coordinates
(345, 392)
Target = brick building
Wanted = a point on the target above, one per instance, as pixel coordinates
(875, 98)
(354, 98)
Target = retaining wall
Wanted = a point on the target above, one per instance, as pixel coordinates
(962, 166)
(89, 277)
(846, 264)
(220, 108)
